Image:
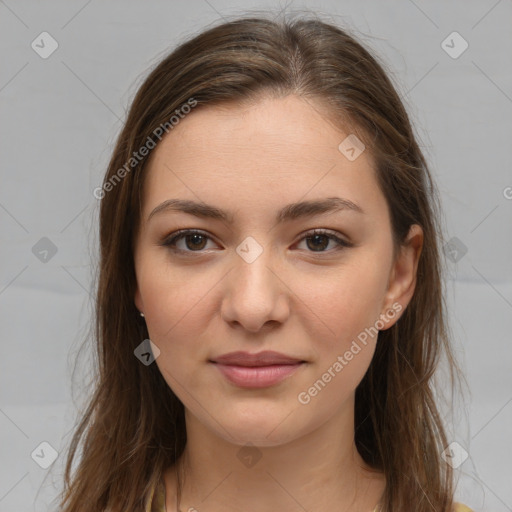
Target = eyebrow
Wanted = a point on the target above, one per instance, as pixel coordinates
(289, 212)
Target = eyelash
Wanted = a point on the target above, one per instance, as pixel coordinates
(171, 241)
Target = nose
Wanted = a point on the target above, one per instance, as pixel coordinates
(255, 294)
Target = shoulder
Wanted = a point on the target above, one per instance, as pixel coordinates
(459, 507)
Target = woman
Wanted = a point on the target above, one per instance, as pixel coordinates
(269, 222)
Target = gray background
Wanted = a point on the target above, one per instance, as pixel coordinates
(60, 117)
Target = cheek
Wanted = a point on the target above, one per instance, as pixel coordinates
(175, 317)
(343, 333)
(343, 309)
(343, 302)
(179, 309)
(173, 300)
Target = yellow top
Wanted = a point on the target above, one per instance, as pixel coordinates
(156, 502)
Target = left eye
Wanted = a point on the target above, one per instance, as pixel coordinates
(320, 239)
(317, 240)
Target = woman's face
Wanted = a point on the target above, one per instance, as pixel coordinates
(258, 279)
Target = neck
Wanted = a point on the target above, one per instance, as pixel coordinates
(316, 471)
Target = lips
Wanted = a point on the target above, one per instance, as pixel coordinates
(259, 370)
(265, 358)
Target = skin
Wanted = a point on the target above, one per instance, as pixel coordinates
(311, 304)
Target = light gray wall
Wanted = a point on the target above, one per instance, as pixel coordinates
(59, 118)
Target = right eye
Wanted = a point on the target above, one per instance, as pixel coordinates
(193, 238)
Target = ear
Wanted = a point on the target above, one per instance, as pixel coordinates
(402, 279)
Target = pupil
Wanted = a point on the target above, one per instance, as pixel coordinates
(195, 236)
(316, 237)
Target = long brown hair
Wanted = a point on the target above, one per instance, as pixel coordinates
(133, 427)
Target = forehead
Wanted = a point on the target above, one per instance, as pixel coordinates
(259, 155)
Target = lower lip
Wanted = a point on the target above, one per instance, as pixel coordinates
(257, 376)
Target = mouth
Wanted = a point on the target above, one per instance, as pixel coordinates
(260, 370)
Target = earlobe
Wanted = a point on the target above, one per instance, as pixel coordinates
(402, 281)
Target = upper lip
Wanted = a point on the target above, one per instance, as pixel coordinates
(265, 358)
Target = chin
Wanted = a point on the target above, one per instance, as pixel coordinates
(261, 428)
